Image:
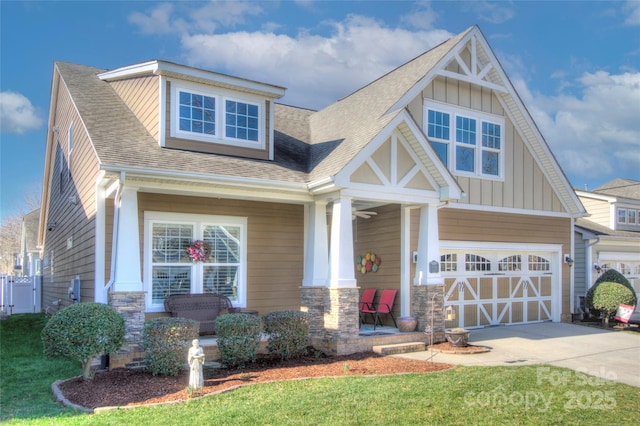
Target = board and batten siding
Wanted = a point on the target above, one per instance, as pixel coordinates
(142, 96)
(524, 185)
(275, 243)
(71, 204)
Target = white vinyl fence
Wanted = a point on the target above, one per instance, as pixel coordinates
(20, 295)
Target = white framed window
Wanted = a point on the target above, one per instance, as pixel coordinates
(622, 215)
(468, 142)
(632, 217)
(170, 270)
(217, 116)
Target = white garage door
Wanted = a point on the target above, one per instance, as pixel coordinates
(491, 287)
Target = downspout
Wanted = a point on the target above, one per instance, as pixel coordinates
(588, 264)
(114, 241)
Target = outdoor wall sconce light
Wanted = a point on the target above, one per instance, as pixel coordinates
(51, 226)
(450, 314)
(597, 267)
(568, 260)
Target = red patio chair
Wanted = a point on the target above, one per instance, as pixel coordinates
(385, 306)
(366, 302)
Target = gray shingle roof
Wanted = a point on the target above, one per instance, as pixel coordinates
(624, 188)
(120, 139)
(598, 229)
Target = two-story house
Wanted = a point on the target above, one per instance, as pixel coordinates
(436, 167)
(610, 237)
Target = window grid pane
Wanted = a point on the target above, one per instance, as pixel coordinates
(449, 262)
(170, 242)
(511, 263)
(465, 159)
(241, 121)
(490, 163)
(197, 113)
(466, 130)
(490, 135)
(438, 126)
(168, 280)
(537, 263)
(474, 262)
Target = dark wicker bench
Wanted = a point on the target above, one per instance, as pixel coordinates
(204, 308)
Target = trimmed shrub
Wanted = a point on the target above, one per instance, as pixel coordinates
(83, 331)
(607, 296)
(238, 338)
(166, 343)
(288, 333)
(612, 276)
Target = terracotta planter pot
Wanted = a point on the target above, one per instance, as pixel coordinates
(407, 324)
(459, 339)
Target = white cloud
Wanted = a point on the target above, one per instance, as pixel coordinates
(492, 12)
(632, 9)
(165, 18)
(17, 114)
(595, 134)
(316, 70)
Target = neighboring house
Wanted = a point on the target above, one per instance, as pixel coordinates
(436, 167)
(610, 237)
(29, 250)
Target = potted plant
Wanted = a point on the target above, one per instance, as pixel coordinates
(457, 337)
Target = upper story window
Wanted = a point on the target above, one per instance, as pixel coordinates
(215, 115)
(622, 215)
(473, 147)
(197, 113)
(632, 217)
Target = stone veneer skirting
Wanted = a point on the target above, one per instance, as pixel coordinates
(131, 305)
(427, 305)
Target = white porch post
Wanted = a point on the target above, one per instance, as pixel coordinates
(428, 247)
(316, 257)
(341, 270)
(127, 255)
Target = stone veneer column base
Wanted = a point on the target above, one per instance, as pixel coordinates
(312, 301)
(428, 307)
(131, 305)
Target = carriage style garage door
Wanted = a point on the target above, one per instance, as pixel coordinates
(496, 286)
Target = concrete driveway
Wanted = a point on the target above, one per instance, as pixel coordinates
(612, 355)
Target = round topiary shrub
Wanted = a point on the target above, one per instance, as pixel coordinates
(607, 296)
(238, 338)
(83, 331)
(166, 343)
(288, 333)
(613, 276)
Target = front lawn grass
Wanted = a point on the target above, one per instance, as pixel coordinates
(535, 395)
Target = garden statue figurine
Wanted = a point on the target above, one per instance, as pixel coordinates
(195, 360)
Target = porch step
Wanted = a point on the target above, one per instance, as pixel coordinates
(399, 348)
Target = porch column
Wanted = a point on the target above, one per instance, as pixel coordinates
(428, 294)
(316, 267)
(316, 257)
(127, 254)
(342, 270)
(341, 306)
(427, 272)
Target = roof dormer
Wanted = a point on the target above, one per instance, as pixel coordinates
(196, 110)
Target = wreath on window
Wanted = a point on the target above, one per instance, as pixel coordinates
(198, 251)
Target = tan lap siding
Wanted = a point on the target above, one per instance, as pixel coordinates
(463, 225)
(275, 238)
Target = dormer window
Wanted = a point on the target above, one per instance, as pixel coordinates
(216, 115)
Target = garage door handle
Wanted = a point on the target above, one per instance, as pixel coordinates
(495, 273)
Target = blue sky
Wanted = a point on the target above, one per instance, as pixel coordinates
(575, 64)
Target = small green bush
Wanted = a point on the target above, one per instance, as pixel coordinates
(238, 338)
(611, 276)
(608, 296)
(288, 333)
(83, 331)
(166, 342)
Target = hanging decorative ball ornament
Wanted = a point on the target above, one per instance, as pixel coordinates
(369, 262)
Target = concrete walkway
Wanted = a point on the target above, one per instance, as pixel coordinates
(612, 355)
